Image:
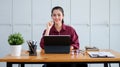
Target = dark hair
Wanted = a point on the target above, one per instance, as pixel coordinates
(58, 8)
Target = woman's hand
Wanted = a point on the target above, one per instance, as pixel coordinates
(42, 51)
(49, 25)
(71, 48)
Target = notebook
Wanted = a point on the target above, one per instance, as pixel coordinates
(57, 44)
(101, 54)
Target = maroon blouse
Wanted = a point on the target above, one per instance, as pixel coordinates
(66, 30)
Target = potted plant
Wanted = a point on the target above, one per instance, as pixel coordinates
(16, 40)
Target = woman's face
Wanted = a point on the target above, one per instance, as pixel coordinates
(57, 16)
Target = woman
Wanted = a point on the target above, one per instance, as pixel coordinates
(57, 27)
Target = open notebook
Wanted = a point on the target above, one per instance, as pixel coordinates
(101, 54)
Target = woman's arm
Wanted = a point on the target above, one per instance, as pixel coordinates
(75, 40)
(49, 25)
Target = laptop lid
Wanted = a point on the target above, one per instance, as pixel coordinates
(57, 44)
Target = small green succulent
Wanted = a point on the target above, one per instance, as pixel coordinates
(15, 39)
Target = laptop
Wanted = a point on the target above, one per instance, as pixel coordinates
(57, 44)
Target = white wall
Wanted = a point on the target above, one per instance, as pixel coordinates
(97, 22)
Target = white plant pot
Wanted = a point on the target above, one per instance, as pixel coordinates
(16, 50)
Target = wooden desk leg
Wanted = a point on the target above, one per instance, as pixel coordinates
(105, 64)
(9, 64)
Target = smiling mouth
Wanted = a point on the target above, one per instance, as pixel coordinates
(56, 20)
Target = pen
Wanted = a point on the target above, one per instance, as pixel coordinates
(30, 46)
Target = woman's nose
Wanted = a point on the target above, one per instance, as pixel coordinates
(56, 17)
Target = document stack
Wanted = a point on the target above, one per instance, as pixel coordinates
(89, 48)
(101, 54)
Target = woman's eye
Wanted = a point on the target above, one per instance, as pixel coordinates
(59, 15)
(54, 14)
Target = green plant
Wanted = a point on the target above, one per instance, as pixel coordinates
(15, 39)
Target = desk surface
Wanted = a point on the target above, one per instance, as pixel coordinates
(41, 57)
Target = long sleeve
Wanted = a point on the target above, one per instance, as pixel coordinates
(42, 41)
(75, 40)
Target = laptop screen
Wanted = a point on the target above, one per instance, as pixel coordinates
(57, 43)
